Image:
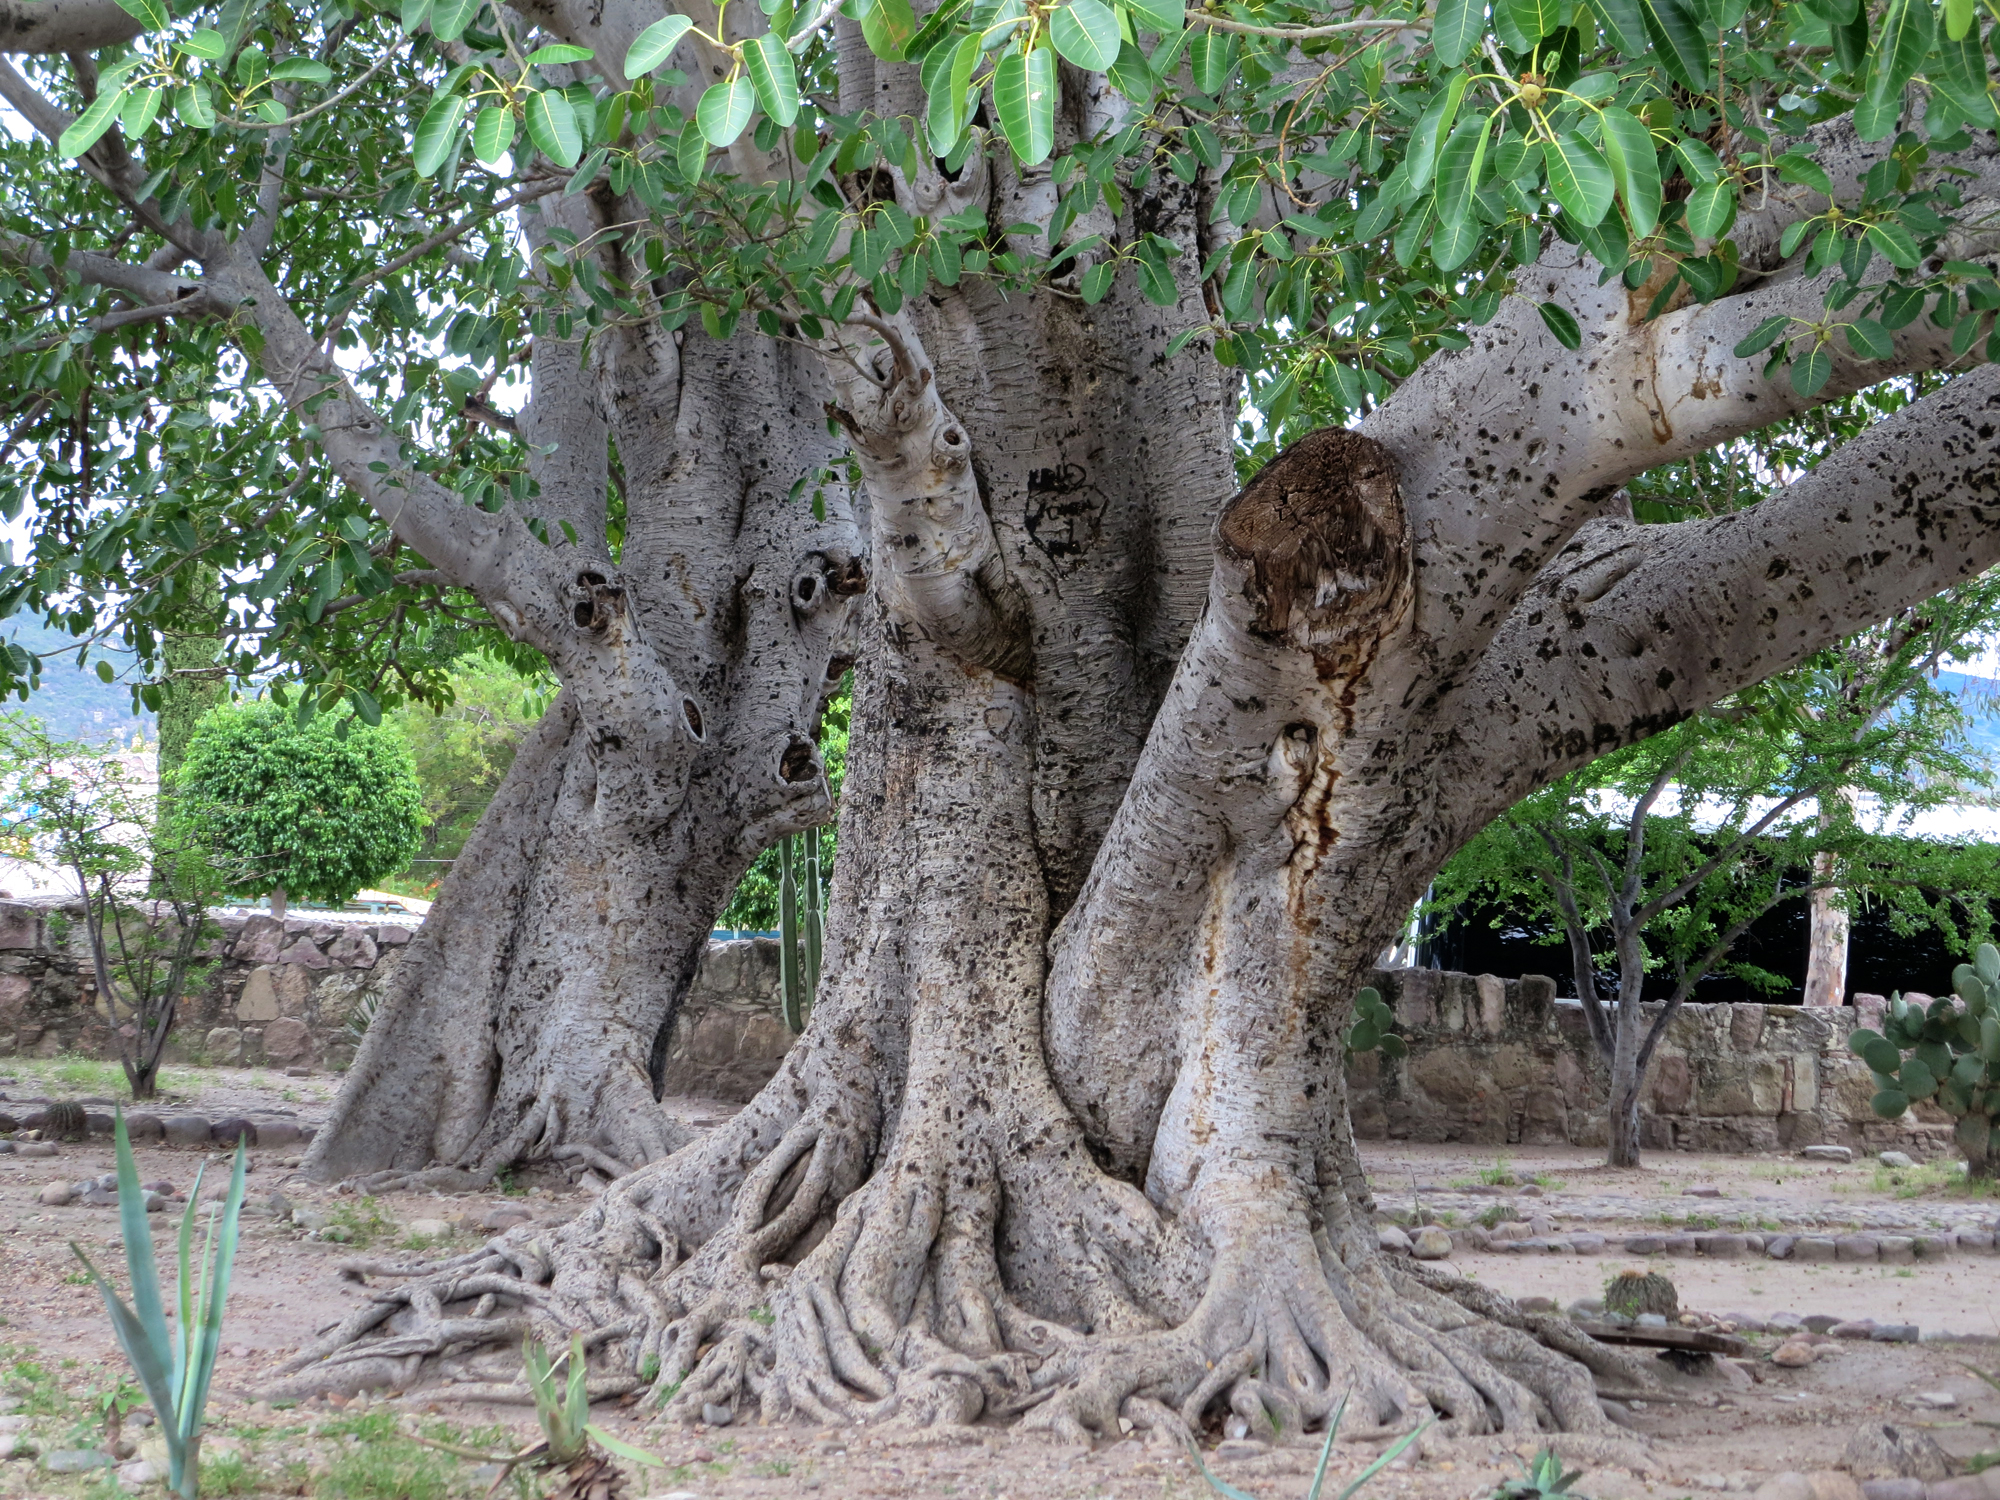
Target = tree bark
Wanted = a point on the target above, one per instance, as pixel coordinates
(1826, 951)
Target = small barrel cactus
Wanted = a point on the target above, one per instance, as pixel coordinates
(1947, 1052)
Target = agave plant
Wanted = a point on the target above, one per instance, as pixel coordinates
(568, 1434)
(174, 1369)
(1544, 1480)
(1388, 1456)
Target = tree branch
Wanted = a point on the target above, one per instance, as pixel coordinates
(1632, 629)
(49, 26)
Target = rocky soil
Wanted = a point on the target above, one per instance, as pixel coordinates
(1732, 1428)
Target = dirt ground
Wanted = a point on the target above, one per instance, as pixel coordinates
(1724, 1432)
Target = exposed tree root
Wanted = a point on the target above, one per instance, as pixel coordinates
(827, 1299)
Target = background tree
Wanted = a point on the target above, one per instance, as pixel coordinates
(89, 811)
(462, 752)
(1142, 777)
(313, 811)
(1658, 858)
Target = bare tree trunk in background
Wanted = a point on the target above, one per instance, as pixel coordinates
(1826, 951)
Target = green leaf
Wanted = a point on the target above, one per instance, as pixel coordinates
(1901, 44)
(1212, 56)
(1677, 41)
(1086, 32)
(946, 75)
(774, 77)
(889, 26)
(88, 128)
(1635, 167)
(724, 111)
(1534, 19)
(1455, 29)
(414, 14)
(1894, 241)
(210, 45)
(1796, 166)
(559, 52)
(936, 28)
(1095, 283)
(302, 70)
(622, 1449)
(1432, 127)
(1625, 23)
(492, 133)
(552, 126)
(1024, 92)
(141, 108)
(1759, 339)
(235, 19)
(1165, 17)
(1561, 322)
(1957, 18)
(1812, 370)
(1579, 178)
(192, 104)
(652, 47)
(151, 14)
(1869, 339)
(449, 18)
(1711, 209)
(435, 133)
(1698, 160)
(1458, 170)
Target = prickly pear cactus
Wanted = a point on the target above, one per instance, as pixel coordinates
(1947, 1052)
(1373, 1021)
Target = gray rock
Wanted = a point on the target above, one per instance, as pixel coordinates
(154, 1203)
(1430, 1243)
(1726, 1246)
(1813, 1247)
(1827, 1153)
(277, 1133)
(1644, 1244)
(1896, 1161)
(1746, 1322)
(1878, 1450)
(1853, 1328)
(228, 1132)
(185, 1130)
(1893, 1489)
(1784, 1322)
(57, 1195)
(716, 1416)
(1856, 1247)
(137, 1475)
(97, 1196)
(1392, 1240)
(1651, 1320)
(1894, 1333)
(1702, 1190)
(1819, 1322)
(36, 1148)
(1934, 1246)
(1682, 1244)
(6, 1148)
(309, 1218)
(1973, 1239)
(76, 1460)
(1779, 1246)
(1587, 1244)
(1586, 1307)
(1896, 1249)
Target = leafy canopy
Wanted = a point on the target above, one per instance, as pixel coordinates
(305, 807)
(1371, 187)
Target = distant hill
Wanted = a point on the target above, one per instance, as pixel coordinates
(76, 704)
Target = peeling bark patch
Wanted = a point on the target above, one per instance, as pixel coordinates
(1322, 526)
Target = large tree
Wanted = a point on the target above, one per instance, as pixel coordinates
(1142, 776)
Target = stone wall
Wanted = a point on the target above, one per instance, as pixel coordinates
(1504, 1062)
(1491, 1061)
(280, 993)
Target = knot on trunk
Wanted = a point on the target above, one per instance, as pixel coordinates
(1322, 532)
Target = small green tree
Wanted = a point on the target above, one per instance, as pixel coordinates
(314, 811)
(1665, 854)
(1953, 1060)
(86, 809)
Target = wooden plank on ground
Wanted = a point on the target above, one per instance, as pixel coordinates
(1669, 1337)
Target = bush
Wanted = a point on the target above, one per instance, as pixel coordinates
(318, 810)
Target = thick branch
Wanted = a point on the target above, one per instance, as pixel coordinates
(64, 25)
(1635, 628)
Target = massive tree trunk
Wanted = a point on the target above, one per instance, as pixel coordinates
(531, 1015)
(1826, 950)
